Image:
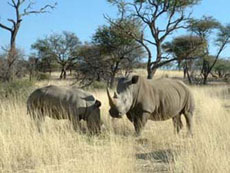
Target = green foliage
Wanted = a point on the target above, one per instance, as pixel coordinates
(117, 48)
(204, 26)
(19, 89)
(171, 3)
(223, 35)
(169, 6)
(110, 38)
(222, 67)
(184, 47)
(56, 49)
(97, 85)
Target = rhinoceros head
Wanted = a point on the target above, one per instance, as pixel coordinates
(122, 99)
(94, 120)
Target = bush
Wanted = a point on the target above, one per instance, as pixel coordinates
(96, 85)
(18, 89)
(43, 76)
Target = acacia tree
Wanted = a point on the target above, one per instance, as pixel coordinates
(22, 9)
(63, 48)
(150, 13)
(117, 47)
(43, 58)
(186, 49)
(222, 68)
(202, 28)
(91, 65)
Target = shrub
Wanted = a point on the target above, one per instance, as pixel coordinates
(95, 85)
(18, 89)
(43, 76)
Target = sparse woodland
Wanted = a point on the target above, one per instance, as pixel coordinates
(133, 42)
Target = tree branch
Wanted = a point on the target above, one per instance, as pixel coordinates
(44, 9)
(12, 21)
(5, 27)
(218, 54)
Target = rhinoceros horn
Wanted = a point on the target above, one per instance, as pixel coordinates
(111, 100)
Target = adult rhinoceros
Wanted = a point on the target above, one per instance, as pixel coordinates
(62, 103)
(161, 99)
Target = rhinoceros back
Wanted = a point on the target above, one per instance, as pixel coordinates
(165, 98)
(59, 101)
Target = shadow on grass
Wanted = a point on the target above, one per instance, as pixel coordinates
(163, 156)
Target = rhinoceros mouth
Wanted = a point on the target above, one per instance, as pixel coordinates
(114, 113)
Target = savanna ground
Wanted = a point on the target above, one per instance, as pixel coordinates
(60, 149)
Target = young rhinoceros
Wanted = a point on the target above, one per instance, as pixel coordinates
(65, 103)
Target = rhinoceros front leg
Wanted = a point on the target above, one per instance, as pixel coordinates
(76, 123)
(39, 122)
(139, 122)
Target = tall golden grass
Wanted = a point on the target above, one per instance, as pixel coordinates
(60, 149)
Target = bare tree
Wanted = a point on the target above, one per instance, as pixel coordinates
(18, 68)
(22, 9)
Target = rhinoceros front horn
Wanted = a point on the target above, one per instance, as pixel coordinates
(111, 101)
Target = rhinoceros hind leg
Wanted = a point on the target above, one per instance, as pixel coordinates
(189, 122)
(177, 123)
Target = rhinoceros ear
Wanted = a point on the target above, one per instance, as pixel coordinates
(135, 79)
(98, 103)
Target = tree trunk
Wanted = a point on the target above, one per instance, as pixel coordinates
(205, 72)
(219, 74)
(114, 71)
(70, 71)
(185, 71)
(10, 62)
(151, 72)
(63, 73)
(152, 68)
(205, 79)
(98, 77)
(12, 52)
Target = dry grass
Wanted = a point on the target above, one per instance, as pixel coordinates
(60, 149)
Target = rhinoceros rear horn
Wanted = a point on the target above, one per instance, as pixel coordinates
(98, 103)
(135, 79)
(111, 103)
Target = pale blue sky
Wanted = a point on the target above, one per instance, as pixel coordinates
(84, 16)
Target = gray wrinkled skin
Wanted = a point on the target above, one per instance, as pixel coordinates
(62, 103)
(141, 99)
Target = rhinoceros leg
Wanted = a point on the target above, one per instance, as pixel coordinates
(139, 123)
(37, 115)
(188, 118)
(177, 123)
(76, 123)
(39, 122)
